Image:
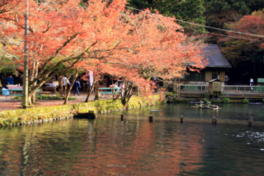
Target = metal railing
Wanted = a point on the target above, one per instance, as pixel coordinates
(109, 90)
(226, 89)
(242, 89)
(190, 88)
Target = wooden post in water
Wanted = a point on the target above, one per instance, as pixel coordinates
(214, 121)
(250, 121)
(181, 118)
(151, 119)
(122, 117)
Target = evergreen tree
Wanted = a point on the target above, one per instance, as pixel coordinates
(220, 12)
(189, 10)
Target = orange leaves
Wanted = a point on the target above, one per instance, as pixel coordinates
(103, 37)
(250, 22)
(253, 24)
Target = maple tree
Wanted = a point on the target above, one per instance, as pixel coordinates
(61, 33)
(153, 46)
(245, 50)
(100, 36)
(254, 24)
(221, 12)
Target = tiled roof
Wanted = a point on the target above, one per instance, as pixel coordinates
(214, 57)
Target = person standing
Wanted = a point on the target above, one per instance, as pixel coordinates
(10, 80)
(65, 83)
(76, 87)
(251, 82)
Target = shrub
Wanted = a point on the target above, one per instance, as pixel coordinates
(245, 101)
(207, 101)
(226, 100)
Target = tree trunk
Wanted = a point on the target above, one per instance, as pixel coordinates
(33, 75)
(33, 98)
(89, 92)
(68, 91)
(127, 94)
(25, 102)
(96, 90)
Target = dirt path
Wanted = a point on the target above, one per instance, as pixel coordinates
(8, 103)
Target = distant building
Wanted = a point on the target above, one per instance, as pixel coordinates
(215, 69)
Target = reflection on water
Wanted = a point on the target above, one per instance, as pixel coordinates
(133, 147)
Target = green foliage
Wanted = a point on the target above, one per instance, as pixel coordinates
(212, 12)
(7, 70)
(226, 100)
(190, 10)
(245, 101)
(7, 66)
(220, 12)
(246, 56)
(170, 94)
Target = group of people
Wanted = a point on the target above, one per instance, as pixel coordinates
(65, 84)
(7, 81)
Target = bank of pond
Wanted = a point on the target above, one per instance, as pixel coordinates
(43, 114)
(202, 111)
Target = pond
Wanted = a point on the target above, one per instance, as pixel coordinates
(135, 147)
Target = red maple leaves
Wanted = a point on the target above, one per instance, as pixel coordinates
(102, 37)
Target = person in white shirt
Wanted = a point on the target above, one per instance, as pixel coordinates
(65, 83)
(251, 82)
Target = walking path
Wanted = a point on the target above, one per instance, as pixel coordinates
(9, 103)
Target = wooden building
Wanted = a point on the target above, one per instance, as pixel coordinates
(216, 66)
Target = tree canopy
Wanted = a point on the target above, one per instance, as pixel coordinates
(101, 36)
(246, 52)
(220, 12)
(189, 10)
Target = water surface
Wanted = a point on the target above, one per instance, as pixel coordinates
(134, 147)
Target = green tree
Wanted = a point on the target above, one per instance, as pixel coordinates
(220, 12)
(188, 10)
(246, 52)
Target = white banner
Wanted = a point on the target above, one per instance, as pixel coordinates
(91, 78)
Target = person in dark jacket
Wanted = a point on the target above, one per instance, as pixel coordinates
(76, 87)
(10, 80)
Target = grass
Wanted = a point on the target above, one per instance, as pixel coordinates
(42, 114)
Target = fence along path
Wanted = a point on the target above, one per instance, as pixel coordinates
(239, 91)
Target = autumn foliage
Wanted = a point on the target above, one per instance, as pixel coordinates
(100, 36)
(253, 24)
